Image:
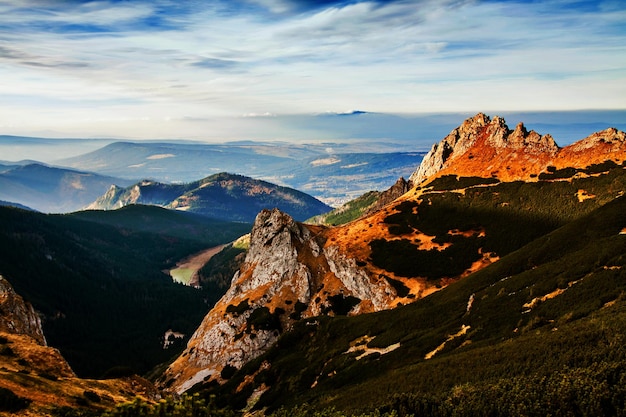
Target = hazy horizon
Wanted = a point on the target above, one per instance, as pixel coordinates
(360, 131)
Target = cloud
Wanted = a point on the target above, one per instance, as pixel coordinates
(206, 60)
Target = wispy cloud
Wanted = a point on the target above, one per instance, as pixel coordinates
(178, 61)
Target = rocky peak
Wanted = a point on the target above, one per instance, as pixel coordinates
(612, 137)
(520, 138)
(17, 316)
(482, 132)
(108, 199)
(291, 271)
(457, 142)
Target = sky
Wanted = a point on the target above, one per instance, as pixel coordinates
(270, 69)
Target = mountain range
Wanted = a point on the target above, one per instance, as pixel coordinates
(51, 189)
(491, 282)
(512, 188)
(333, 173)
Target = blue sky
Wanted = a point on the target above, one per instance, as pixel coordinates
(244, 68)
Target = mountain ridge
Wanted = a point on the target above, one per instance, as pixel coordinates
(53, 189)
(222, 196)
(497, 151)
(363, 266)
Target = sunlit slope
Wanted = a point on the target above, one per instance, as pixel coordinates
(540, 327)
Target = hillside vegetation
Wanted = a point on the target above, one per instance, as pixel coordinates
(100, 284)
(223, 196)
(471, 217)
(544, 331)
(352, 210)
(539, 332)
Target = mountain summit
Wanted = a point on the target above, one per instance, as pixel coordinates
(486, 147)
(222, 196)
(467, 209)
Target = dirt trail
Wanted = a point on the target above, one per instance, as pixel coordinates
(186, 271)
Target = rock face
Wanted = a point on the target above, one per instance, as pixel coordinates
(456, 143)
(490, 148)
(486, 147)
(291, 271)
(18, 316)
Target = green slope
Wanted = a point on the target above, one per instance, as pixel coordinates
(99, 285)
(223, 196)
(561, 354)
(488, 218)
(178, 224)
(352, 210)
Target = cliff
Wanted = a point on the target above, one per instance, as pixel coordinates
(291, 271)
(18, 316)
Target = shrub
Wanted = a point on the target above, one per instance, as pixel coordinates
(11, 402)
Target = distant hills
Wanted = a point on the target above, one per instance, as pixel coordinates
(333, 173)
(50, 189)
(221, 196)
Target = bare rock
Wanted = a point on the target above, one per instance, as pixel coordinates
(290, 273)
(478, 133)
(17, 316)
(456, 143)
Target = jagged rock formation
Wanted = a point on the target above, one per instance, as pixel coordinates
(399, 188)
(294, 271)
(291, 271)
(488, 148)
(18, 316)
(491, 142)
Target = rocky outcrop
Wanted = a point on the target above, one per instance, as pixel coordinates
(291, 272)
(18, 316)
(456, 143)
(481, 139)
(399, 188)
(595, 149)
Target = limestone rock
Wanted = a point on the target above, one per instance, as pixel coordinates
(457, 142)
(290, 272)
(18, 316)
(488, 137)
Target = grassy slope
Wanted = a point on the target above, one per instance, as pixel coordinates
(105, 300)
(178, 224)
(509, 214)
(511, 352)
(352, 210)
